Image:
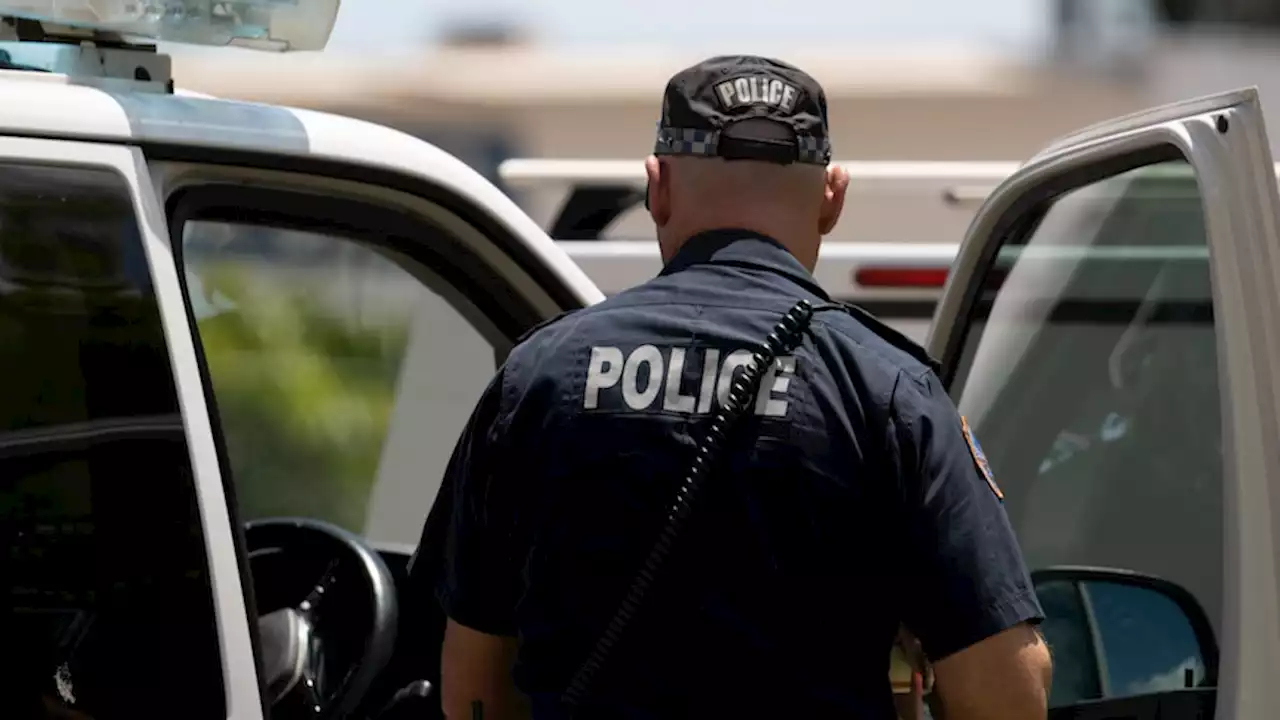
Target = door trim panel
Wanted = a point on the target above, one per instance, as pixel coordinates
(175, 177)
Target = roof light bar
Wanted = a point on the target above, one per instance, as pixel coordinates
(261, 24)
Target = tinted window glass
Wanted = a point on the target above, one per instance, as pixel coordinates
(107, 606)
(1090, 375)
(343, 373)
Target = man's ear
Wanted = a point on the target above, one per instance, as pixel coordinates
(837, 186)
(657, 190)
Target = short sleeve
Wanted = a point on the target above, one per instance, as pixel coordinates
(963, 578)
(480, 582)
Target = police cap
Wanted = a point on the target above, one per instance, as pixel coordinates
(745, 107)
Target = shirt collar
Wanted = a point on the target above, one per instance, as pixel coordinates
(731, 246)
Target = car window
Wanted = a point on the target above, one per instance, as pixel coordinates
(342, 372)
(107, 599)
(1089, 373)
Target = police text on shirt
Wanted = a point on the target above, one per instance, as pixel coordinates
(677, 379)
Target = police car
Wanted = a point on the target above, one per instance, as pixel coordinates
(222, 432)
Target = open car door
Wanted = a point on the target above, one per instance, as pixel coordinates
(123, 594)
(1111, 331)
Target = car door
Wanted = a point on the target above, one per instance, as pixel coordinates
(123, 591)
(1109, 330)
(347, 328)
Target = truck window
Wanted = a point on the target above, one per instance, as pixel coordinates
(1090, 375)
(342, 370)
(108, 609)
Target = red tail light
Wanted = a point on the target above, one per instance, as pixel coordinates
(900, 277)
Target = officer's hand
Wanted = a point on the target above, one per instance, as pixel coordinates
(910, 706)
(909, 668)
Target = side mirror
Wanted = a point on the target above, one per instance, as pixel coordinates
(1117, 634)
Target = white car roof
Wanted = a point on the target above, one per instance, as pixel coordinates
(51, 105)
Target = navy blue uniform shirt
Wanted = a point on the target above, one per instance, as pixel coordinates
(853, 499)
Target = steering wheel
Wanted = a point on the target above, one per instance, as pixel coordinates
(293, 638)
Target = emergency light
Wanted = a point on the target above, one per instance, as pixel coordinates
(261, 24)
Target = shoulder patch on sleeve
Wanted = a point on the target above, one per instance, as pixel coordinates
(980, 458)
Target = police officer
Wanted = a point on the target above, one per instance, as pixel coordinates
(850, 499)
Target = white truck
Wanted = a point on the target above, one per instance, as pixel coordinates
(194, 334)
(890, 255)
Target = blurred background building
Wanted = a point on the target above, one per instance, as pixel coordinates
(489, 87)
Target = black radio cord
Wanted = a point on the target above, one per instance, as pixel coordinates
(786, 336)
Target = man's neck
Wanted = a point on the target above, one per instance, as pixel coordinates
(803, 247)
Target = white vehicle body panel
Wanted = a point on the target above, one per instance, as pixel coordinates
(46, 105)
(888, 202)
(910, 175)
(616, 263)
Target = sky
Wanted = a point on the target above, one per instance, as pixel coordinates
(1015, 26)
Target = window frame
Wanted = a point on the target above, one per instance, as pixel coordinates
(1022, 219)
(434, 264)
(176, 166)
(451, 269)
(321, 204)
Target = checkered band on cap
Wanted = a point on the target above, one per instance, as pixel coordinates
(689, 141)
(686, 141)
